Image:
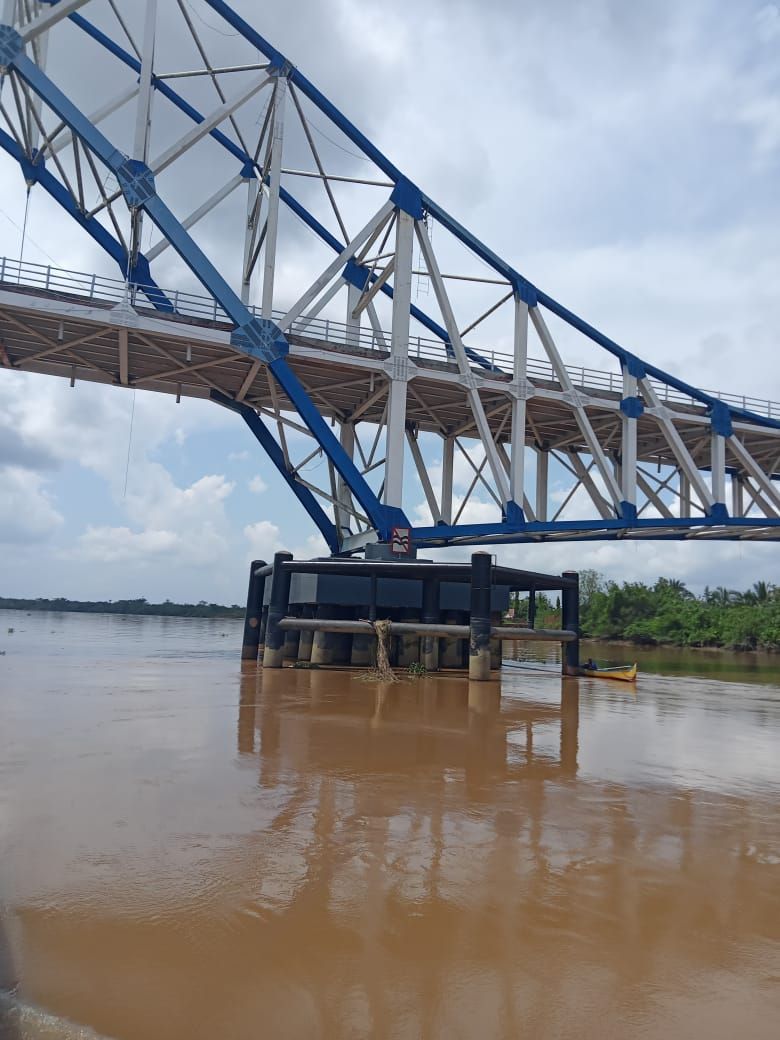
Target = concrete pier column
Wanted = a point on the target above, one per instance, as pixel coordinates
(322, 647)
(307, 638)
(479, 623)
(254, 609)
(429, 645)
(277, 609)
(570, 618)
(408, 643)
(362, 653)
(292, 639)
(450, 648)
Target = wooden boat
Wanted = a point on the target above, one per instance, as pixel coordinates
(624, 672)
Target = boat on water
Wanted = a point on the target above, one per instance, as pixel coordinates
(623, 672)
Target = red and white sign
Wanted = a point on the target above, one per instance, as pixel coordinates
(401, 541)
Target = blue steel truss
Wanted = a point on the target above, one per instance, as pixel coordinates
(262, 339)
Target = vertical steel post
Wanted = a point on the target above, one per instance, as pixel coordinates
(250, 235)
(628, 446)
(737, 498)
(395, 444)
(447, 463)
(532, 608)
(542, 468)
(429, 645)
(718, 467)
(517, 458)
(479, 622)
(352, 336)
(685, 495)
(254, 608)
(143, 116)
(275, 175)
(277, 609)
(342, 507)
(570, 619)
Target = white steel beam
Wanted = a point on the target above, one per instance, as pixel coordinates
(399, 360)
(49, 18)
(344, 506)
(504, 456)
(352, 335)
(684, 495)
(334, 267)
(542, 473)
(586, 480)
(144, 104)
(580, 415)
(250, 231)
(517, 457)
(425, 480)
(61, 140)
(274, 177)
(718, 466)
(124, 375)
(684, 460)
(651, 493)
(198, 214)
(200, 130)
(737, 499)
(758, 500)
(475, 401)
(628, 443)
(448, 459)
(748, 463)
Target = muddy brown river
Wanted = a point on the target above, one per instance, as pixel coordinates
(189, 849)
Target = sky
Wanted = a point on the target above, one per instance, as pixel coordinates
(623, 156)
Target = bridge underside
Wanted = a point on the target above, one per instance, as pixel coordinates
(105, 340)
(456, 422)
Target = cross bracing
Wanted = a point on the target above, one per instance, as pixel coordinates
(405, 374)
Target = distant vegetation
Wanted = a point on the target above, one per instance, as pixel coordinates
(667, 613)
(126, 606)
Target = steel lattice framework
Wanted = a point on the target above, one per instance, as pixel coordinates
(351, 412)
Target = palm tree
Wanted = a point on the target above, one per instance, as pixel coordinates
(675, 586)
(722, 597)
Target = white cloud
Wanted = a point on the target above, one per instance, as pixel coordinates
(27, 513)
(120, 544)
(257, 485)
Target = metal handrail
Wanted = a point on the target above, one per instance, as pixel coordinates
(421, 348)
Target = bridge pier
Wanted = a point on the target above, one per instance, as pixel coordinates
(570, 619)
(479, 624)
(254, 609)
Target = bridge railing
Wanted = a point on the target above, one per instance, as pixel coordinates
(46, 278)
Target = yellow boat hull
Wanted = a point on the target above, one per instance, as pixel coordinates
(625, 674)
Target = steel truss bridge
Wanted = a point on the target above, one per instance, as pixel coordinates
(370, 342)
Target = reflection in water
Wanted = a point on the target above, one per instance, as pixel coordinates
(195, 851)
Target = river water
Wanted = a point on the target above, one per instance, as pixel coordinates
(192, 850)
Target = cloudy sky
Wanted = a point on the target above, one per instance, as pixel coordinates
(623, 156)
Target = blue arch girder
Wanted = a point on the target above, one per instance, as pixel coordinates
(255, 340)
(257, 337)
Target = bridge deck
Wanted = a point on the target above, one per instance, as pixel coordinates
(75, 326)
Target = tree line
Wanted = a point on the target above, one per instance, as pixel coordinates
(669, 613)
(126, 606)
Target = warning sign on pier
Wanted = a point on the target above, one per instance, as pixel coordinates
(401, 541)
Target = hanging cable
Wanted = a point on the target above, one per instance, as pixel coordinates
(24, 229)
(129, 444)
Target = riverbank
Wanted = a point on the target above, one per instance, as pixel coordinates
(129, 607)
